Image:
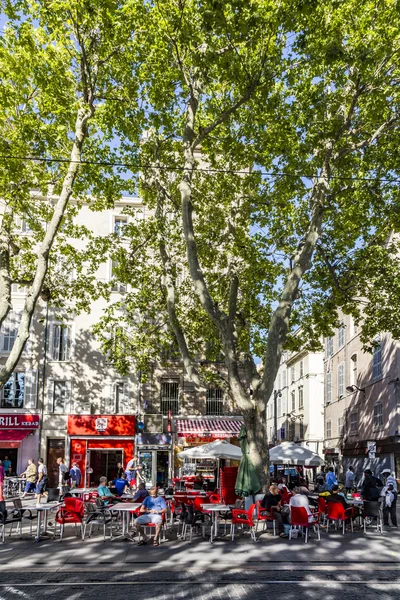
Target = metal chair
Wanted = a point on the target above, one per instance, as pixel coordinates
(373, 510)
(6, 519)
(94, 516)
(25, 513)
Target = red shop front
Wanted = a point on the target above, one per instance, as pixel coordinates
(99, 443)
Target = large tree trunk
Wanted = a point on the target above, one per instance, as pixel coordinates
(258, 443)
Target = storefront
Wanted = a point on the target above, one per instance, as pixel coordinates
(19, 439)
(154, 451)
(195, 432)
(98, 443)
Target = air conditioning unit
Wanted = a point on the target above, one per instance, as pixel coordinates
(153, 423)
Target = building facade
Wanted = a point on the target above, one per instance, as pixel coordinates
(66, 399)
(362, 413)
(299, 401)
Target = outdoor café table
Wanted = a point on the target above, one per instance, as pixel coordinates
(81, 491)
(214, 509)
(42, 508)
(125, 508)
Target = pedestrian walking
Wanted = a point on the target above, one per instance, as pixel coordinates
(63, 476)
(75, 475)
(391, 486)
(330, 478)
(30, 475)
(350, 479)
(42, 480)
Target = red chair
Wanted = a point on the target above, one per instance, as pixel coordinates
(338, 514)
(243, 517)
(215, 499)
(152, 526)
(71, 513)
(285, 496)
(264, 515)
(322, 507)
(299, 518)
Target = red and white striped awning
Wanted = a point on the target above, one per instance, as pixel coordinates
(222, 428)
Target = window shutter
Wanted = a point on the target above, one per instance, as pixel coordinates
(110, 401)
(124, 399)
(31, 384)
(68, 398)
(50, 393)
(50, 341)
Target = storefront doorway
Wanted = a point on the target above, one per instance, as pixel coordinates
(155, 465)
(55, 449)
(103, 463)
(12, 454)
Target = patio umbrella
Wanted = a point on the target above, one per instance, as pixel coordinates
(217, 449)
(247, 481)
(289, 453)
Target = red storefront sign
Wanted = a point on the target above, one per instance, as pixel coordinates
(100, 432)
(103, 425)
(19, 421)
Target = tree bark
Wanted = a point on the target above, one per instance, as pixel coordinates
(258, 443)
(84, 114)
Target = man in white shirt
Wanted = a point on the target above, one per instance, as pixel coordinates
(391, 483)
(42, 480)
(301, 501)
(62, 473)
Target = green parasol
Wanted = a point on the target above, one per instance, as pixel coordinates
(247, 481)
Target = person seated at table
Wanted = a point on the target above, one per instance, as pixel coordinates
(121, 485)
(141, 493)
(105, 493)
(152, 509)
(198, 482)
(272, 503)
(320, 486)
(336, 496)
(283, 485)
(299, 500)
(11, 472)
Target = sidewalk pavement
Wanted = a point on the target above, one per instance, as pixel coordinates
(351, 550)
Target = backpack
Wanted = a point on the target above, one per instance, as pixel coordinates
(67, 476)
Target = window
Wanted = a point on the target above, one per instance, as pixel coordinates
(59, 396)
(9, 331)
(329, 429)
(19, 290)
(301, 430)
(292, 374)
(117, 286)
(293, 398)
(170, 397)
(279, 406)
(341, 379)
(284, 378)
(61, 349)
(341, 335)
(340, 425)
(22, 225)
(301, 368)
(119, 225)
(301, 397)
(270, 433)
(292, 431)
(378, 416)
(377, 362)
(353, 369)
(13, 392)
(328, 397)
(353, 422)
(329, 346)
(120, 396)
(214, 402)
(279, 382)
